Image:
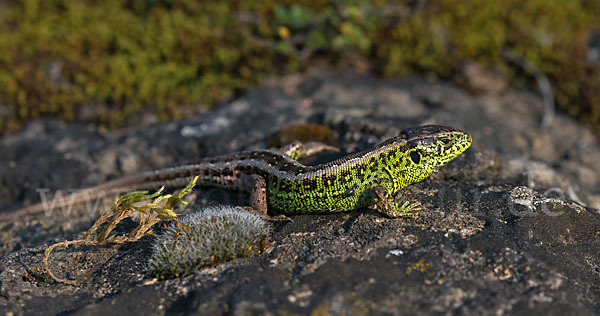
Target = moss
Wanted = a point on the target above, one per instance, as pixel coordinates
(304, 133)
(58, 56)
(207, 238)
(552, 35)
(123, 57)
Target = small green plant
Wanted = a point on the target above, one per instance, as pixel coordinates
(206, 238)
(152, 209)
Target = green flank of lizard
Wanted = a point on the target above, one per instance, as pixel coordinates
(369, 177)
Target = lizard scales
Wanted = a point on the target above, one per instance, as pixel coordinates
(358, 180)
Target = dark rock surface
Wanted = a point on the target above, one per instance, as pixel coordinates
(484, 243)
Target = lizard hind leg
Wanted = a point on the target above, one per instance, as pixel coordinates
(299, 149)
(258, 198)
(258, 193)
(385, 204)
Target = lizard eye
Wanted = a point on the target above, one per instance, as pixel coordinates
(415, 157)
(446, 141)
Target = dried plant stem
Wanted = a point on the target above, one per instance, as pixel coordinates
(160, 208)
(66, 244)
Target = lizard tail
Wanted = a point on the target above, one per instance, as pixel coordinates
(141, 181)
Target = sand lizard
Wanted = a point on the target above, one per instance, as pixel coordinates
(275, 179)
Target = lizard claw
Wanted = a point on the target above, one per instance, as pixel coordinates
(409, 209)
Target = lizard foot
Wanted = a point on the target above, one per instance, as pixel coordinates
(385, 204)
(407, 209)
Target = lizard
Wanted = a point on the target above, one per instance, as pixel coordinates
(275, 179)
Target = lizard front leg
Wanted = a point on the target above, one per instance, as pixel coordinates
(384, 201)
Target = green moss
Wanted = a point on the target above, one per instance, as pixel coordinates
(58, 56)
(123, 57)
(304, 133)
(552, 35)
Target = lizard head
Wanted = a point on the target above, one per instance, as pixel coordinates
(428, 148)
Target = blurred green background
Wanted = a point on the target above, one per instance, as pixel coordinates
(103, 61)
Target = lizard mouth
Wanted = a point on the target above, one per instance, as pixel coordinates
(464, 142)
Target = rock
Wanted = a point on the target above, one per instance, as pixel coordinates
(498, 233)
(481, 80)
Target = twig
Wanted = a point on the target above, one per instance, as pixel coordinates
(542, 81)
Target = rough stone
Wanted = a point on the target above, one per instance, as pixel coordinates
(471, 250)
